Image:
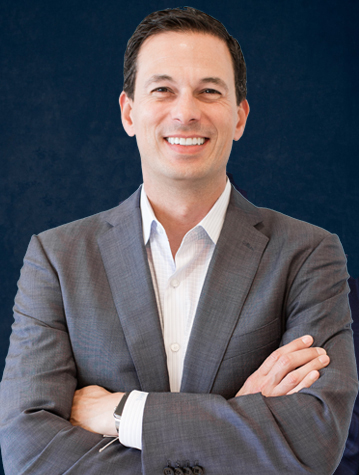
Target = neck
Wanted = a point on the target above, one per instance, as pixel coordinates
(181, 208)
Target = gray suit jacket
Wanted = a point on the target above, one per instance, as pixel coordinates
(85, 313)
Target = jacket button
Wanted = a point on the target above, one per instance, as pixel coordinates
(197, 470)
(178, 471)
(168, 471)
(187, 471)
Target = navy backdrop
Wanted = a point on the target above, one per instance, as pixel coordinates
(64, 154)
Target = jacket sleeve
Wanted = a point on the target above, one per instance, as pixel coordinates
(38, 385)
(303, 433)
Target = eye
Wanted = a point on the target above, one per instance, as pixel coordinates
(161, 89)
(211, 91)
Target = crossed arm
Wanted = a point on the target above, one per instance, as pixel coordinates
(303, 430)
(287, 370)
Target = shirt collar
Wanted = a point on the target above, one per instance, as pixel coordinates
(148, 216)
(212, 223)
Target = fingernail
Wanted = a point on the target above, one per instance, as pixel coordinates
(324, 359)
(307, 339)
(321, 351)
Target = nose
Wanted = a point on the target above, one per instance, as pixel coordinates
(186, 109)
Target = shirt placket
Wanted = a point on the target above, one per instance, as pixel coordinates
(177, 308)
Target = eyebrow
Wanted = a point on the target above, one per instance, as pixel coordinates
(215, 80)
(158, 78)
(164, 77)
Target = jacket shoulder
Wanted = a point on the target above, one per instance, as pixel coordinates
(91, 227)
(279, 227)
(277, 224)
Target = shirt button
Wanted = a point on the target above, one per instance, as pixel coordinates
(175, 283)
(175, 347)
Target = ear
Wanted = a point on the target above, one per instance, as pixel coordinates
(242, 111)
(126, 105)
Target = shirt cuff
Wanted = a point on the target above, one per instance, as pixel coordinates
(130, 433)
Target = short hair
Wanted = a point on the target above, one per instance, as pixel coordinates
(182, 19)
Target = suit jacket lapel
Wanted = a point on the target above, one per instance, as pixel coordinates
(229, 278)
(125, 260)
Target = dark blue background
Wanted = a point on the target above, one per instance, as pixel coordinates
(64, 154)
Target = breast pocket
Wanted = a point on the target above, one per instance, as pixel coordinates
(245, 353)
(253, 341)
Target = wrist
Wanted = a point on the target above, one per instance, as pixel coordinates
(112, 401)
(118, 411)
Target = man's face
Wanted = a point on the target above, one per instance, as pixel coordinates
(184, 113)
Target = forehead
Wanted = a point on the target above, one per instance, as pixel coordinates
(185, 53)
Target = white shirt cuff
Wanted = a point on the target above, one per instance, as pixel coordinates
(130, 433)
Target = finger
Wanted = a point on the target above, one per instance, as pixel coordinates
(311, 378)
(287, 364)
(295, 378)
(296, 359)
(295, 345)
(278, 365)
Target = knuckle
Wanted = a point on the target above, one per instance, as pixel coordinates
(284, 360)
(275, 355)
(265, 388)
(292, 379)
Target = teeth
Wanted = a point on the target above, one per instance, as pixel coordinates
(183, 141)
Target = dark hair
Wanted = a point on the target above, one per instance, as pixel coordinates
(178, 19)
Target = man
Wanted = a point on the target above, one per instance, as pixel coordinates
(203, 320)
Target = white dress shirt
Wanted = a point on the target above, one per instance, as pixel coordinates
(178, 284)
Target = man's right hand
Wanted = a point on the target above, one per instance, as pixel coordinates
(287, 370)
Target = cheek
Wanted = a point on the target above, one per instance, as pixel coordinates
(149, 121)
(226, 130)
(224, 119)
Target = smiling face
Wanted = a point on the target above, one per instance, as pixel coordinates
(184, 113)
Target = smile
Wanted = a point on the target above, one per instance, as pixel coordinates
(185, 141)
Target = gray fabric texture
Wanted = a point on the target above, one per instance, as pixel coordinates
(85, 313)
